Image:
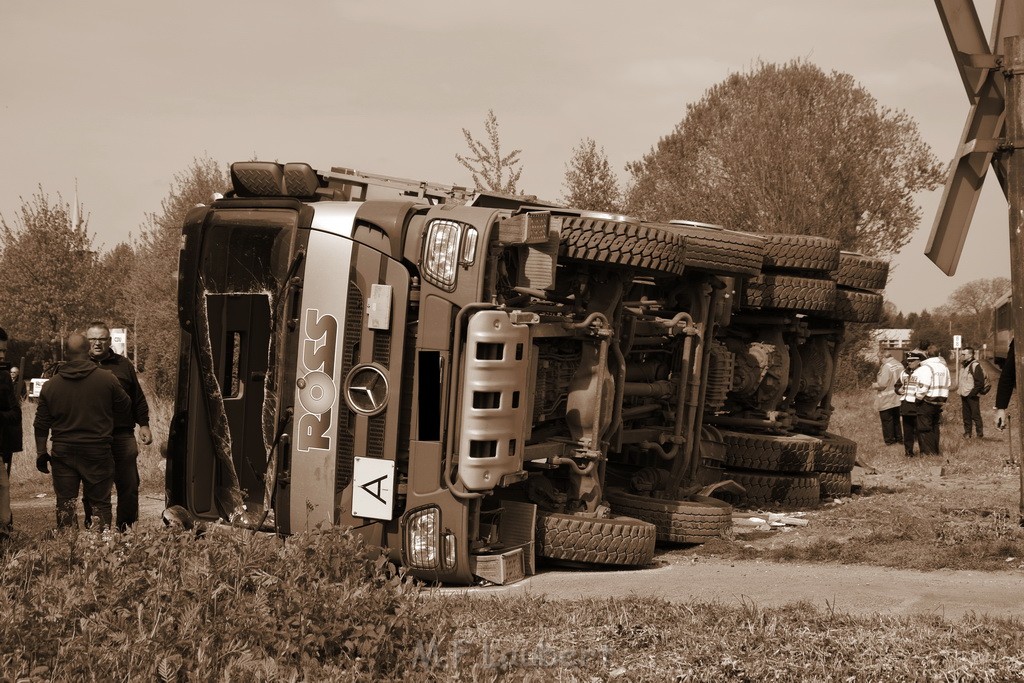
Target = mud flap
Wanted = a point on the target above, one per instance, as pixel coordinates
(516, 561)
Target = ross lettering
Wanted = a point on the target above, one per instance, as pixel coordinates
(313, 431)
(321, 340)
(317, 390)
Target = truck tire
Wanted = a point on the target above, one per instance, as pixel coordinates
(791, 491)
(770, 452)
(624, 243)
(804, 253)
(697, 519)
(838, 454)
(619, 541)
(791, 293)
(856, 306)
(835, 484)
(721, 251)
(861, 272)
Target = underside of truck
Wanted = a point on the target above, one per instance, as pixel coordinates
(478, 382)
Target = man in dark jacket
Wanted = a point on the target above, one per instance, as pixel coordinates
(78, 406)
(1007, 383)
(126, 449)
(10, 436)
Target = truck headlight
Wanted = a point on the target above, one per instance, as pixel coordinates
(441, 253)
(425, 546)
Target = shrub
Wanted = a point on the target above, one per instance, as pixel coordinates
(163, 604)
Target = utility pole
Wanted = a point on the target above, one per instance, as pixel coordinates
(1013, 70)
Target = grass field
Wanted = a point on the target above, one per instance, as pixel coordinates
(158, 604)
(908, 515)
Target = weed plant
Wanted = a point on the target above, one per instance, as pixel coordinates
(232, 605)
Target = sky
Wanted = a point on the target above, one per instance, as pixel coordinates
(115, 97)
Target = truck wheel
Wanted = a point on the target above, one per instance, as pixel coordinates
(776, 490)
(855, 306)
(628, 244)
(791, 293)
(861, 272)
(770, 452)
(694, 520)
(805, 253)
(835, 484)
(721, 251)
(837, 454)
(615, 540)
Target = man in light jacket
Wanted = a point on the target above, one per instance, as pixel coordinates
(887, 401)
(932, 379)
(972, 383)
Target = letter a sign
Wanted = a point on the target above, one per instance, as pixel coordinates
(373, 488)
(978, 61)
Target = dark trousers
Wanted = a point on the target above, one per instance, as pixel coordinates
(126, 481)
(909, 430)
(90, 468)
(970, 409)
(891, 430)
(928, 415)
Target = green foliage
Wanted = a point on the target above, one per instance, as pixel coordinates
(589, 182)
(791, 149)
(164, 605)
(150, 302)
(491, 170)
(53, 282)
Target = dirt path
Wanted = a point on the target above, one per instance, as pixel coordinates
(860, 590)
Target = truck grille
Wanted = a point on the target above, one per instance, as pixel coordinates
(346, 435)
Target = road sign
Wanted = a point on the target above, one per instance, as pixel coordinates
(956, 341)
(978, 62)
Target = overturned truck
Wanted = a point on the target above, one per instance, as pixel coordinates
(473, 381)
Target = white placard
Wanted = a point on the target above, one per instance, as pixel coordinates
(373, 488)
(956, 341)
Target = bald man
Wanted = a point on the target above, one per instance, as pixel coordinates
(77, 408)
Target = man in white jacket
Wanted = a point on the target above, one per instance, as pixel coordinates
(932, 379)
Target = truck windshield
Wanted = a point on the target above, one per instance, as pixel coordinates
(247, 250)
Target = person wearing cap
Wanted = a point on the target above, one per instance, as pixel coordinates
(906, 388)
(933, 384)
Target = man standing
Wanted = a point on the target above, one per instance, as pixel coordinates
(78, 406)
(1004, 388)
(10, 437)
(887, 402)
(972, 383)
(126, 450)
(906, 389)
(932, 378)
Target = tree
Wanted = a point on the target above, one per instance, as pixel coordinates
(589, 180)
(151, 301)
(969, 308)
(932, 327)
(791, 149)
(485, 162)
(52, 281)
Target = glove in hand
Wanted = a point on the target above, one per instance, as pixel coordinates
(42, 462)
